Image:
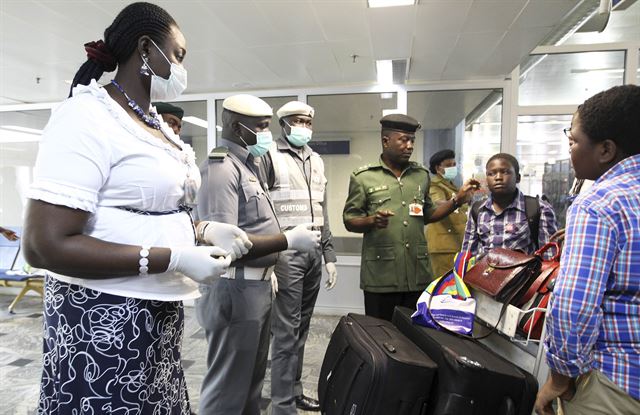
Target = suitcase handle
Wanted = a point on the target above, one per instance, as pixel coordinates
(390, 347)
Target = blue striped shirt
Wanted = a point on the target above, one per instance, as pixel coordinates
(594, 318)
(509, 229)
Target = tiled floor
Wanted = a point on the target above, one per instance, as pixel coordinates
(20, 356)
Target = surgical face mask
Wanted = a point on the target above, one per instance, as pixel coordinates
(450, 173)
(299, 136)
(263, 142)
(171, 88)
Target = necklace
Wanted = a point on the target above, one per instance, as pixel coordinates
(151, 119)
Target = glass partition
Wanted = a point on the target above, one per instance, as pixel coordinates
(194, 127)
(569, 78)
(466, 121)
(20, 133)
(543, 153)
(349, 122)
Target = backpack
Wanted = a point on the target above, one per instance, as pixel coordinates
(531, 210)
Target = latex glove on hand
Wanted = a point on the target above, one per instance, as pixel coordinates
(274, 284)
(203, 264)
(332, 275)
(302, 238)
(226, 236)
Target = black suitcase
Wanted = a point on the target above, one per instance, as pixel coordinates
(471, 379)
(370, 368)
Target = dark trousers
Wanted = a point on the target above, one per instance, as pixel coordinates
(381, 305)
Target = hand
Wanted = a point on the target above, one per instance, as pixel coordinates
(556, 386)
(302, 238)
(558, 236)
(274, 284)
(228, 237)
(9, 234)
(381, 219)
(466, 191)
(203, 264)
(333, 275)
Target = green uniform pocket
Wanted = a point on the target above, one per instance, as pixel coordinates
(380, 267)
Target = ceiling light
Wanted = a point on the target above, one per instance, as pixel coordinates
(385, 72)
(196, 121)
(390, 3)
(8, 136)
(218, 128)
(386, 95)
(21, 129)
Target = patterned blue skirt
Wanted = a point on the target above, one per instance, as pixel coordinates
(106, 354)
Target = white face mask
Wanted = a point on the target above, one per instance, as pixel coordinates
(171, 88)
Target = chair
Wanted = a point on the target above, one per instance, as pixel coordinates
(12, 271)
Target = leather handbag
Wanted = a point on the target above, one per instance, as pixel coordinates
(504, 274)
(537, 296)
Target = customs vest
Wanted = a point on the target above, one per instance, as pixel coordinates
(296, 196)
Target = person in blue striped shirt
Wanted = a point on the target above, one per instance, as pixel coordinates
(593, 325)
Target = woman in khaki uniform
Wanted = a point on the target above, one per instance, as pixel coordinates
(444, 238)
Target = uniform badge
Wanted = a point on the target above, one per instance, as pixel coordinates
(415, 209)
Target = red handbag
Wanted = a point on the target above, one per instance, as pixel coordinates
(504, 274)
(539, 293)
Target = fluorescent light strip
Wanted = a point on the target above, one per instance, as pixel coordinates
(196, 121)
(21, 129)
(390, 3)
(385, 72)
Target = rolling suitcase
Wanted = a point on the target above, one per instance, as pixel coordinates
(370, 368)
(471, 379)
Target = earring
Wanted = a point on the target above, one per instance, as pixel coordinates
(144, 69)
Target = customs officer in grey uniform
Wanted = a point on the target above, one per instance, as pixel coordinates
(297, 186)
(235, 310)
(389, 203)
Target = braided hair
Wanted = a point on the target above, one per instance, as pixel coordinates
(121, 39)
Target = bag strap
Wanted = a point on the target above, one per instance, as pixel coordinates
(532, 211)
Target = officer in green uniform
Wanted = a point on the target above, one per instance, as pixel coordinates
(445, 237)
(389, 203)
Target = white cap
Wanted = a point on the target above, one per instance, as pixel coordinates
(295, 108)
(246, 104)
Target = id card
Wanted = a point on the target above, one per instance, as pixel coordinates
(415, 209)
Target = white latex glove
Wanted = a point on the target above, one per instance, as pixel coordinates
(228, 237)
(302, 238)
(333, 275)
(274, 284)
(203, 264)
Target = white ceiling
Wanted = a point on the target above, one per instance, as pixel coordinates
(272, 44)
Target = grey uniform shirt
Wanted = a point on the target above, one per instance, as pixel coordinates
(232, 192)
(302, 157)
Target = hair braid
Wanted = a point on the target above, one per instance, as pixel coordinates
(121, 37)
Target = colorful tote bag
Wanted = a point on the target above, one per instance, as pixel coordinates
(446, 304)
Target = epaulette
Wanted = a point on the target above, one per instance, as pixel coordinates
(417, 165)
(218, 153)
(362, 168)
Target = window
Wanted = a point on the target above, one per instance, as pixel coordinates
(353, 118)
(20, 133)
(194, 127)
(466, 121)
(569, 78)
(543, 154)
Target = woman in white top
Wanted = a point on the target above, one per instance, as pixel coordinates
(109, 219)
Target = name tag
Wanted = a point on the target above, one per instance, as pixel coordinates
(415, 209)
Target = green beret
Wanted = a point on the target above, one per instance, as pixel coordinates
(400, 122)
(166, 108)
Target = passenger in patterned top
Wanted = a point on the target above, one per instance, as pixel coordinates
(501, 220)
(108, 219)
(593, 325)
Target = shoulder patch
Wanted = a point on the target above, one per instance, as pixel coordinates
(218, 153)
(418, 166)
(362, 168)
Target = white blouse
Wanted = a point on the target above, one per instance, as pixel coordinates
(94, 157)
